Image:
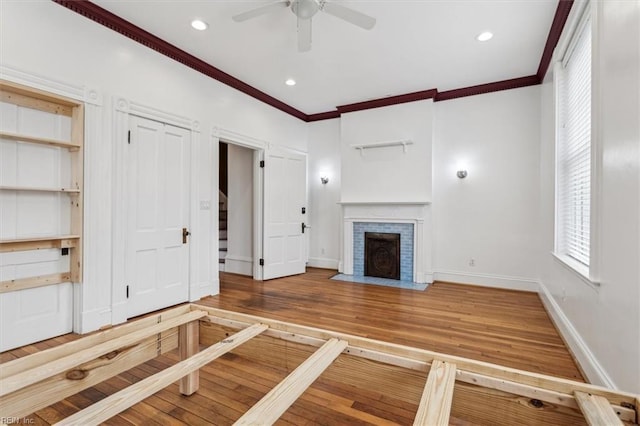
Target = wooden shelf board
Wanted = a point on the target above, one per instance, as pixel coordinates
(33, 282)
(38, 140)
(24, 244)
(37, 189)
(36, 99)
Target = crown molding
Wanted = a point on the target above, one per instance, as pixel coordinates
(114, 22)
(480, 89)
(104, 17)
(391, 100)
(559, 21)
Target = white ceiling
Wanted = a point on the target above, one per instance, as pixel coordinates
(416, 45)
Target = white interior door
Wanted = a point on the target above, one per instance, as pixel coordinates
(157, 258)
(285, 195)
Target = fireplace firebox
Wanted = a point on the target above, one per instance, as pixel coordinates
(382, 255)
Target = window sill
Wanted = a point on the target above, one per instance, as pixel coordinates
(577, 268)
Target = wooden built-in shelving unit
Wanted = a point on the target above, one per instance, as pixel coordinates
(39, 100)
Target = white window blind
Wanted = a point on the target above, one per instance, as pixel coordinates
(574, 148)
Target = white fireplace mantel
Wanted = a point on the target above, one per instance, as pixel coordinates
(417, 213)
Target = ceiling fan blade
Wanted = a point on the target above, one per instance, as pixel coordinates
(262, 10)
(352, 16)
(304, 35)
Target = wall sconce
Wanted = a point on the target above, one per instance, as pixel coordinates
(324, 179)
(461, 174)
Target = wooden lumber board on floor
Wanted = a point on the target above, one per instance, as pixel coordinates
(279, 399)
(473, 404)
(597, 410)
(129, 396)
(189, 342)
(41, 372)
(536, 386)
(395, 370)
(42, 394)
(435, 405)
(41, 358)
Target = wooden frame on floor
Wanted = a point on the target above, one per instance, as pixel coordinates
(470, 390)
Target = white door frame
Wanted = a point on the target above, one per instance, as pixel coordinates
(123, 108)
(258, 146)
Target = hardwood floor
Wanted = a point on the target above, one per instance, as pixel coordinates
(499, 326)
(505, 327)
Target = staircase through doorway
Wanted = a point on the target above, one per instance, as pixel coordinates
(222, 234)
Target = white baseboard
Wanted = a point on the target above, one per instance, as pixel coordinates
(203, 289)
(486, 280)
(589, 364)
(424, 277)
(320, 262)
(93, 320)
(238, 265)
(119, 312)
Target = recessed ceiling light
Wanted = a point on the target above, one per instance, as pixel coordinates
(199, 25)
(290, 82)
(487, 35)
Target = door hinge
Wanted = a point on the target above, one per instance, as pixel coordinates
(129, 137)
(127, 292)
(262, 164)
(261, 262)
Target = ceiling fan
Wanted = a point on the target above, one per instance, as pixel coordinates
(305, 10)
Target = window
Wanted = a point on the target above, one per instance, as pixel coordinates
(573, 151)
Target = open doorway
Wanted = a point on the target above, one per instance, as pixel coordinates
(236, 209)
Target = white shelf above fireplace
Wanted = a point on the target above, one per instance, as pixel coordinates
(383, 144)
(384, 203)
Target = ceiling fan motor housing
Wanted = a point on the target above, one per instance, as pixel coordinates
(305, 9)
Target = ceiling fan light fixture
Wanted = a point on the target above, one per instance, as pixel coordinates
(305, 9)
(485, 36)
(199, 25)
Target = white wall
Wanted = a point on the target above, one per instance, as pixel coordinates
(601, 324)
(324, 210)
(239, 258)
(490, 216)
(61, 45)
(387, 174)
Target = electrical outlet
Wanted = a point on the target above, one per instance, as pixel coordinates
(472, 262)
(322, 251)
(205, 205)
